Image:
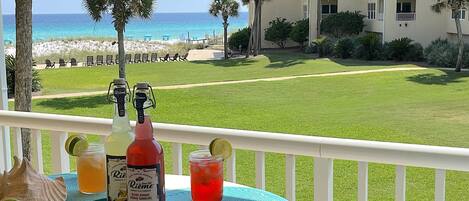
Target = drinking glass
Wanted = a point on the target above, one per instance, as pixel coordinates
(206, 176)
(91, 170)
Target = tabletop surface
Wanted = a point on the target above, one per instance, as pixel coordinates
(178, 189)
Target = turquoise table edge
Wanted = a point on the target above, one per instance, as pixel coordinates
(229, 193)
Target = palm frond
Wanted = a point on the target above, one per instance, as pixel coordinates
(96, 8)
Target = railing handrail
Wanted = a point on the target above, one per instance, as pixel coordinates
(322, 147)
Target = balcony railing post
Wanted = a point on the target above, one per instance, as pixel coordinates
(323, 179)
(260, 170)
(400, 183)
(60, 158)
(37, 150)
(440, 183)
(231, 168)
(362, 181)
(5, 153)
(290, 177)
(177, 158)
(17, 142)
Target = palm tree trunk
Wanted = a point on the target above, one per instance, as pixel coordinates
(259, 28)
(120, 39)
(225, 38)
(459, 63)
(23, 73)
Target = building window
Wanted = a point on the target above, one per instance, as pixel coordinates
(462, 14)
(404, 7)
(371, 11)
(329, 8)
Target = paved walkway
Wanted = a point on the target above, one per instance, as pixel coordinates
(185, 86)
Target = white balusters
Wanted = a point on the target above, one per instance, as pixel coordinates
(36, 149)
(18, 147)
(60, 159)
(290, 177)
(5, 149)
(102, 139)
(260, 170)
(323, 179)
(440, 183)
(177, 158)
(231, 168)
(400, 183)
(362, 181)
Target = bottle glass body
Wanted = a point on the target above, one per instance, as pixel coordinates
(145, 165)
(116, 151)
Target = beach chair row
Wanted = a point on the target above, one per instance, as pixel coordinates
(137, 58)
(62, 63)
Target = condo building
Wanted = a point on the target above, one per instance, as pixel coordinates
(390, 19)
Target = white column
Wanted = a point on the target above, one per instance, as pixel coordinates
(5, 157)
(323, 179)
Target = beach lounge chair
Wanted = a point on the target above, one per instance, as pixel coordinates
(165, 58)
(137, 58)
(99, 60)
(49, 64)
(128, 58)
(109, 60)
(184, 57)
(73, 62)
(154, 57)
(62, 63)
(175, 57)
(145, 58)
(89, 61)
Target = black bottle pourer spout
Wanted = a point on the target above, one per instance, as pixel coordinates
(120, 90)
(140, 99)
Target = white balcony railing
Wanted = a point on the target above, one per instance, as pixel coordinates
(380, 16)
(405, 16)
(324, 150)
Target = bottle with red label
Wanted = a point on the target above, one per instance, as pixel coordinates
(145, 157)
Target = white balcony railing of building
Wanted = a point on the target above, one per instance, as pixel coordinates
(380, 16)
(406, 16)
(323, 150)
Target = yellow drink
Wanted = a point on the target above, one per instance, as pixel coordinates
(91, 170)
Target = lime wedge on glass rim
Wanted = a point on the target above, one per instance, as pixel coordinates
(76, 144)
(220, 147)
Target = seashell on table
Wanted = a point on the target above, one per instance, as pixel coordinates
(23, 182)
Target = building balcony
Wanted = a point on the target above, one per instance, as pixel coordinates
(380, 16)
(405, 16)
(323, 150)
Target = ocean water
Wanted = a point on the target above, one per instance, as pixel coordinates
(174, 26)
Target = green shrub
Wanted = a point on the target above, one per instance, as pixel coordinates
(415, 53)
(369, 47)
(10, 63)
(323, 46)
(344, 48)
(278, 31)
(441, 53)
(343, 24)
(300, 31)
(239, 39)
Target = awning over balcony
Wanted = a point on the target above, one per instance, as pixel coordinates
(4, 131)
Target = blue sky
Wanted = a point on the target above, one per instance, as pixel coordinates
(75, 6)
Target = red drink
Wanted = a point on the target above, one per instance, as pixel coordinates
(206, 176)
(145, 160)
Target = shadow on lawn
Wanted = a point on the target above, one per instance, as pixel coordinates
(448, 77)
(285, 61)
(72, 103)
(361, 63)
(227, 63)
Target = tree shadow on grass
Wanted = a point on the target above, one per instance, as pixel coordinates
(361, 63)
(449, 77)
(237, 62)
(75, 102)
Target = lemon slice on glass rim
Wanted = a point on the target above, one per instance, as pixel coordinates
(221, 147)
(76, 144)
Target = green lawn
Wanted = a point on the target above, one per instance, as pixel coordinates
(159, 74)
(422, 107)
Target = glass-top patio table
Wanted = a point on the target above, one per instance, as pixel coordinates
(178, 189)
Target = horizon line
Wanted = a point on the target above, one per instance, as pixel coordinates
(87, 13)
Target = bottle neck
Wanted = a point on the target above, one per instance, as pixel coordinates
(121, 124)
(144, 131)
